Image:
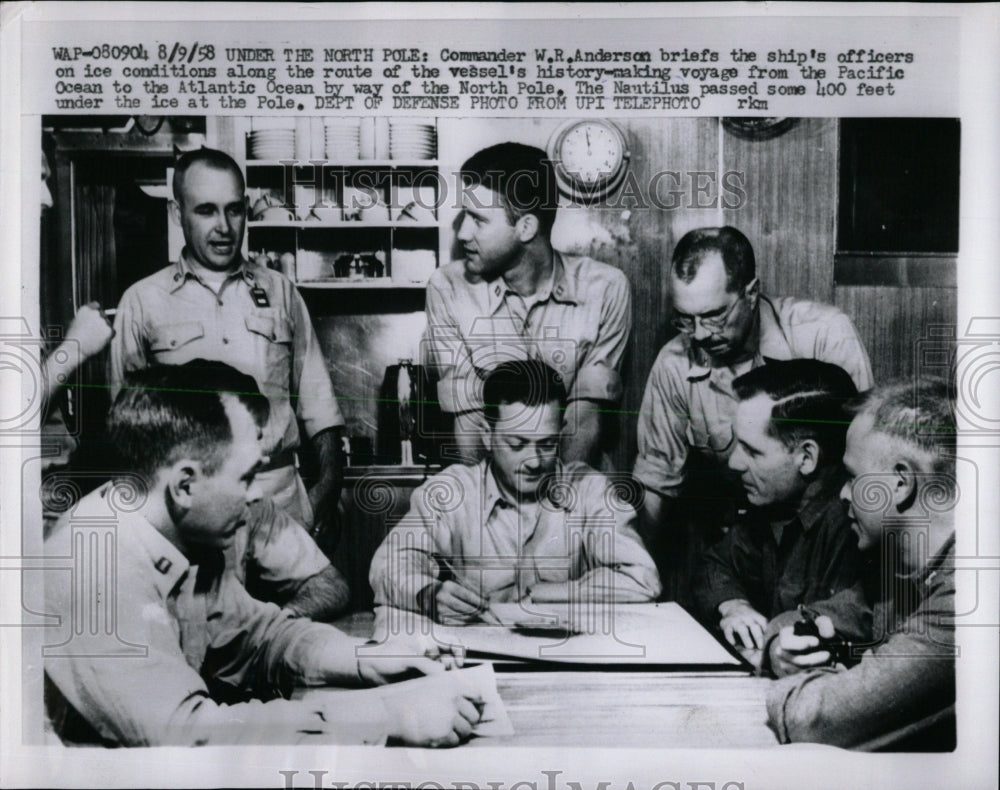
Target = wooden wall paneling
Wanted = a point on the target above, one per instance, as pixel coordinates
(681, 147)
(892, 321)
(790, 210)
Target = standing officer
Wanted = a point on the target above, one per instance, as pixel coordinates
(214, 304)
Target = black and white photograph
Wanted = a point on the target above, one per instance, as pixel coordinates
(599, 404)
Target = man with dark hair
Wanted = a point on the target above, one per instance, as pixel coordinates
(214, 304)
(184, 638)
(901, 490)
(514, 297)
(794, 545)
(518, 527)
(725, 328)
(271, 553)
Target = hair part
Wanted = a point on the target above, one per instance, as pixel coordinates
(529, 382)
(918, 415)
(809, 402)
(522, 177)
(208, 157)
(169, 412)
(735, 249)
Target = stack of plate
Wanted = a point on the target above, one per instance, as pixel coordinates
(412, 140)
(272, 144)
(343, 139)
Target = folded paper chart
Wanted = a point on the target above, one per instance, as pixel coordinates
(660, 635)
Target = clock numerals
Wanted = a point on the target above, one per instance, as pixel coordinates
(590, 158)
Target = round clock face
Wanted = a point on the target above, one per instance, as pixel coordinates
(590, 158)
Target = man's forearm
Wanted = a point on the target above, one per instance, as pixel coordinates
(330, 453)
(321, 597)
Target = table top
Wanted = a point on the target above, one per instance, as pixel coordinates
(593, 707)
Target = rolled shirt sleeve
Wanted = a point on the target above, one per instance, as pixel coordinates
(128, 345)
(662, 427)
(598, 377)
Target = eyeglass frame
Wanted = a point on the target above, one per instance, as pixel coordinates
(713, 325)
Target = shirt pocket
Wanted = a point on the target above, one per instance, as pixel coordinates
(710, 426)
(272, 336)
(168, 342)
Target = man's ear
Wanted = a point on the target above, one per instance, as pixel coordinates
(808, 457)
(527, 227)
(752, 291)
(182, 478)
(175, 212)
(904, 484)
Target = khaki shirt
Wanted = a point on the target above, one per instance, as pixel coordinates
(690, 405)
(581, 536)
(578, 323)
(172, 317)
(136, 663)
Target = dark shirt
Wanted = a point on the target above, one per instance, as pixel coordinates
(816, 557)
(901, 696)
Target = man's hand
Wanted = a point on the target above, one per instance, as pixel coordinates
(441, 713)
(790, 653)
(90, 330)
(740, 619)
(456, 603)
(325, 494)
(400, 657)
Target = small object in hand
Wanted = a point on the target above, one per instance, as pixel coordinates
(840, 650)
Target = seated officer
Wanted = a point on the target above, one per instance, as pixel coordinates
(794, 544)
(519, 526)
(900, 460)
(271, 553)
(185, 637)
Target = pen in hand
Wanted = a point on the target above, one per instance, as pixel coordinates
(448, 572)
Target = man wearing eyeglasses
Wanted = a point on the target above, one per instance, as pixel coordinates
(726, 328)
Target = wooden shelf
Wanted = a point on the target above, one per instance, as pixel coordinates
(342, 224)
(354, 163)
(370, 283)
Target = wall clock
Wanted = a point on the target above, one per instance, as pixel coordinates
(590, 158)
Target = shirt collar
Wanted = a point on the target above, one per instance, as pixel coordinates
(183, 271)
(771, 344)
(492, 495)
(167, 564)
(821, 494)
(558, 287)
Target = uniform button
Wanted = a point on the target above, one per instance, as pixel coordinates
(497, 290)
(225, 340)
(176, 277)
(173, 342)
(559, 291)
